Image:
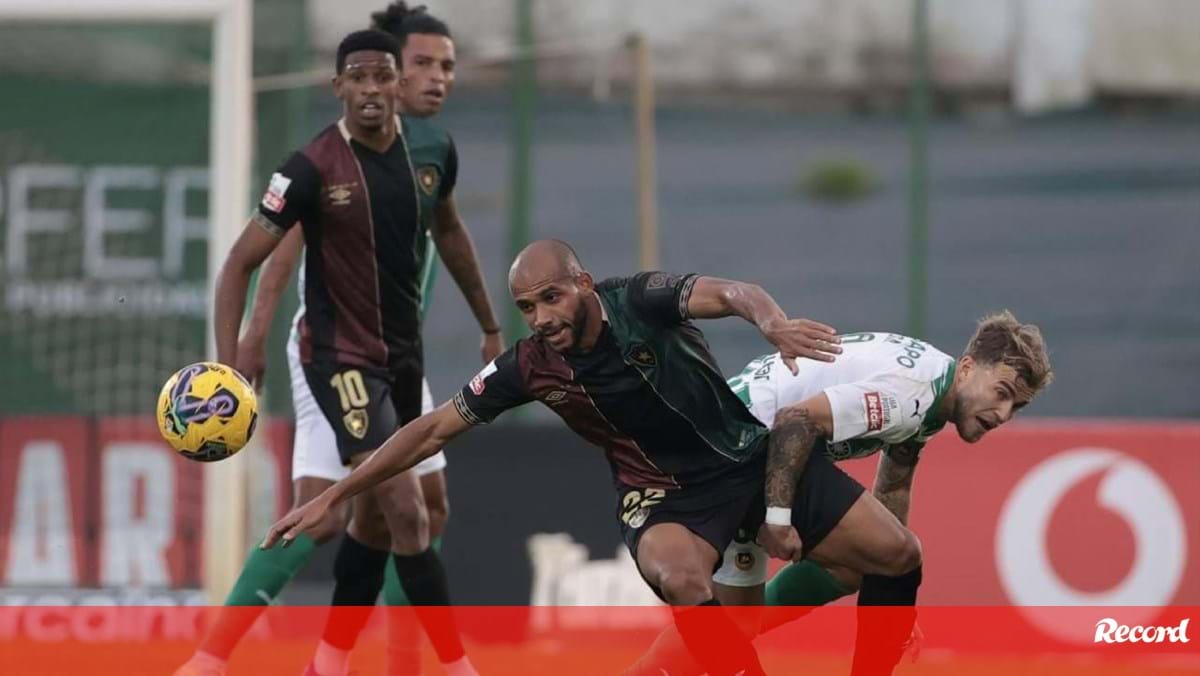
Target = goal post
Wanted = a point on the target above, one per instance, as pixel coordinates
(230, 143)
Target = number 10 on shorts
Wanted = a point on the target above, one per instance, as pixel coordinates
(351, 389)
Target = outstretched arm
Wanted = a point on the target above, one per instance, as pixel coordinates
(411, 444)
(273, 280)
(796, 430)
(456, 248)
(894, 478)
(712, 298)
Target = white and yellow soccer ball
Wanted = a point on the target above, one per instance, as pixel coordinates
(207, 411)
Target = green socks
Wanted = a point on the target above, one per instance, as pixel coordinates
(803, 583)
(267, 572)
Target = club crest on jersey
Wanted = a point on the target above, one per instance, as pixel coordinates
(427, 178)
(339, 195)
(274, 199)
(356, 422)
(744, 561)
(642, 355)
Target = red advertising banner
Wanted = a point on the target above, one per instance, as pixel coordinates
(1059, 514)
(150, 507)
(46, 527)
(105, 503)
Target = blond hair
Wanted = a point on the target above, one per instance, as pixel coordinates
(1001, 339)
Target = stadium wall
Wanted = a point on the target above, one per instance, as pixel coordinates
(1050, 54)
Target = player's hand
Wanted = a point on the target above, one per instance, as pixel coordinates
(915, 642)
(805, 338)
(252, 360)
(781, 542)
(491, 346)
(298, 521)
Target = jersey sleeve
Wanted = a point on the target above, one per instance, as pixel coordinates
(660, 297)
(291, 195)
(494, 390)
(449, 172)
(885, 408)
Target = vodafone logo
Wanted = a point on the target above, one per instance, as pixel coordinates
(1129, 488)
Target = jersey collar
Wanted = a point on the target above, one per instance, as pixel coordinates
(603, 310)
(941, 385)
(345, 131)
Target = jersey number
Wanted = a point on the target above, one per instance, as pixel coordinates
(351, 389)
(636, 505)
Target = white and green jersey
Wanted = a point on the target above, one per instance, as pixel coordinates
(884, 389)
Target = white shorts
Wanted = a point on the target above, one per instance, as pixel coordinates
(744, 565)
(314, 449)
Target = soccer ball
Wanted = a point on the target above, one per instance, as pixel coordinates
(207, 411)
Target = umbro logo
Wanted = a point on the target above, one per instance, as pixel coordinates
(555, 397)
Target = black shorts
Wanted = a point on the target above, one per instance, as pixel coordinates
(733, 508)
(823, 496)
(364, 406)
(714, 510)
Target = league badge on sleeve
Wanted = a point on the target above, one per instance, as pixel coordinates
(274, 199)
(478, 383)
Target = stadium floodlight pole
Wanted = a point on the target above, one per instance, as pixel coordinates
(229, 146)
(647, 180)
(918, 192)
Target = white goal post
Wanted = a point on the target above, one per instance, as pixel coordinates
(230, 152)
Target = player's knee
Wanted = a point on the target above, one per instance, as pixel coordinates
(373, 533)
(408, 521)
(410, 524)
(904, 553)
(686, 587)
(439, 514)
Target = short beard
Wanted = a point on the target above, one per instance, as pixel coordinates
(578, 326)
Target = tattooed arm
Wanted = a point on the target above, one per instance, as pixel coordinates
(894, 478)
(796, 429)
(713, 298)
